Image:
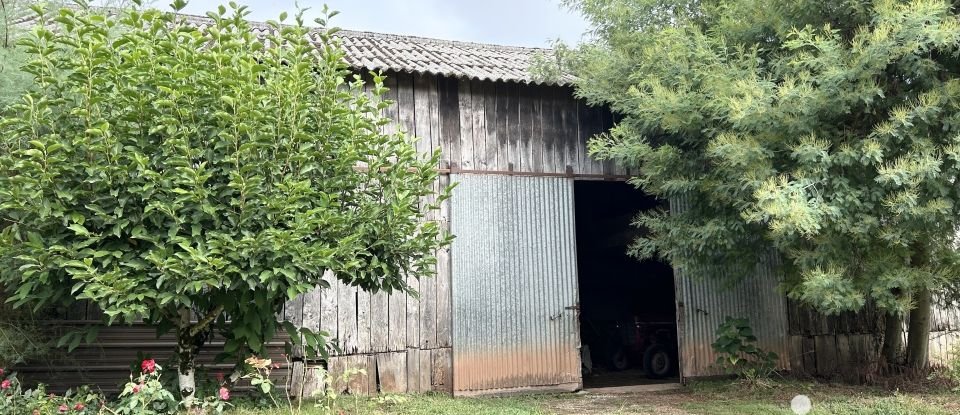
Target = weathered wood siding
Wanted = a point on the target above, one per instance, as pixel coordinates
(847, 345)
(404, 343)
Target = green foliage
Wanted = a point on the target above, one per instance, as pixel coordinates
(14, 400)
(828, 131)
(164, 170)
(737, 351)
(330, 400)
(21, 337)
(146, 395)
(13, 81)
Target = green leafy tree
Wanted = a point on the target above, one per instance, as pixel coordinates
(199, 177)
(13, 81)
(826, 130)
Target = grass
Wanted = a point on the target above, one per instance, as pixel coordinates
(706, 398)
(429, 404)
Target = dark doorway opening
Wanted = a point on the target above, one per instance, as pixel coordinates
(628, 319)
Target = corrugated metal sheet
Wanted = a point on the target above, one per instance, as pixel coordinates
(514, 283)
(705, 298)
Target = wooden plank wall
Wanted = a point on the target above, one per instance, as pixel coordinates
(845, 345)
(404, 343)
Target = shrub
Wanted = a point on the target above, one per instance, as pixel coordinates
(166, 170)
(14, 400)
(738, 353)
(21, 339)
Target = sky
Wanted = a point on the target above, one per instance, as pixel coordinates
(507, 22)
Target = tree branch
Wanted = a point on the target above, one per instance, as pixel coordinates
(206, 320)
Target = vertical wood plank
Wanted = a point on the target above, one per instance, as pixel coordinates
(570, 131)
(513, 126)
(507, 159)
(492, 142)
(433, 115)
(363, 322)
(328, 306)
(585, 133)
(449, 121)
(293, 312)
(549, 123)
(428, 305)
(380, 322)
(347, 317)
(413, 370)
(404, 311)
(443, 278)
(298, 380)
(479, 120)
(426, 370)
(529, 129)
(392, 110)
(465, 104)
(392, 372)
(397, 323)
(441, 375)
(312, 309)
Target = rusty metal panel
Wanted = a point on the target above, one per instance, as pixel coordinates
(514, 284)
(705, 297)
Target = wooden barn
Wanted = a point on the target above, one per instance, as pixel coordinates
(536, 292)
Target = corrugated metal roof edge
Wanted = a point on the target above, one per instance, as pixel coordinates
(566, 80)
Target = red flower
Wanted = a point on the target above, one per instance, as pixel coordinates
(148, 366)
(219, 376)
(63, 408)
(5, 384)
(79, 406)
(224, 394)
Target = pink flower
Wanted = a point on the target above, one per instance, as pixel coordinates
(5, 384)
(148, 366)
(276, 365)
(224, 394)
(136, 388)
(63, 408)
(1, 371)
(79, 406)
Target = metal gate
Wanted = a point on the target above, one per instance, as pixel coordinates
(705, 298)
(514, 281)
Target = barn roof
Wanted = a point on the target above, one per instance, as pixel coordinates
(414, 54)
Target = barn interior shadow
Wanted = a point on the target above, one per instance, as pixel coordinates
(627, 306)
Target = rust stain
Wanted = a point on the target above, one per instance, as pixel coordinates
(486, 370)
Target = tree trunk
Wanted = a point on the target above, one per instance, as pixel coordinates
(186, 354)
(892, 338)
(918, 340)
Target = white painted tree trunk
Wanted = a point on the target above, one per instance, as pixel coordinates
(185, 360)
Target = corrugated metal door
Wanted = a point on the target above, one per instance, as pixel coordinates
(514, 284)
(705, 298)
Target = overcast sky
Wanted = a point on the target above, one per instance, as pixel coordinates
(506, 22)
